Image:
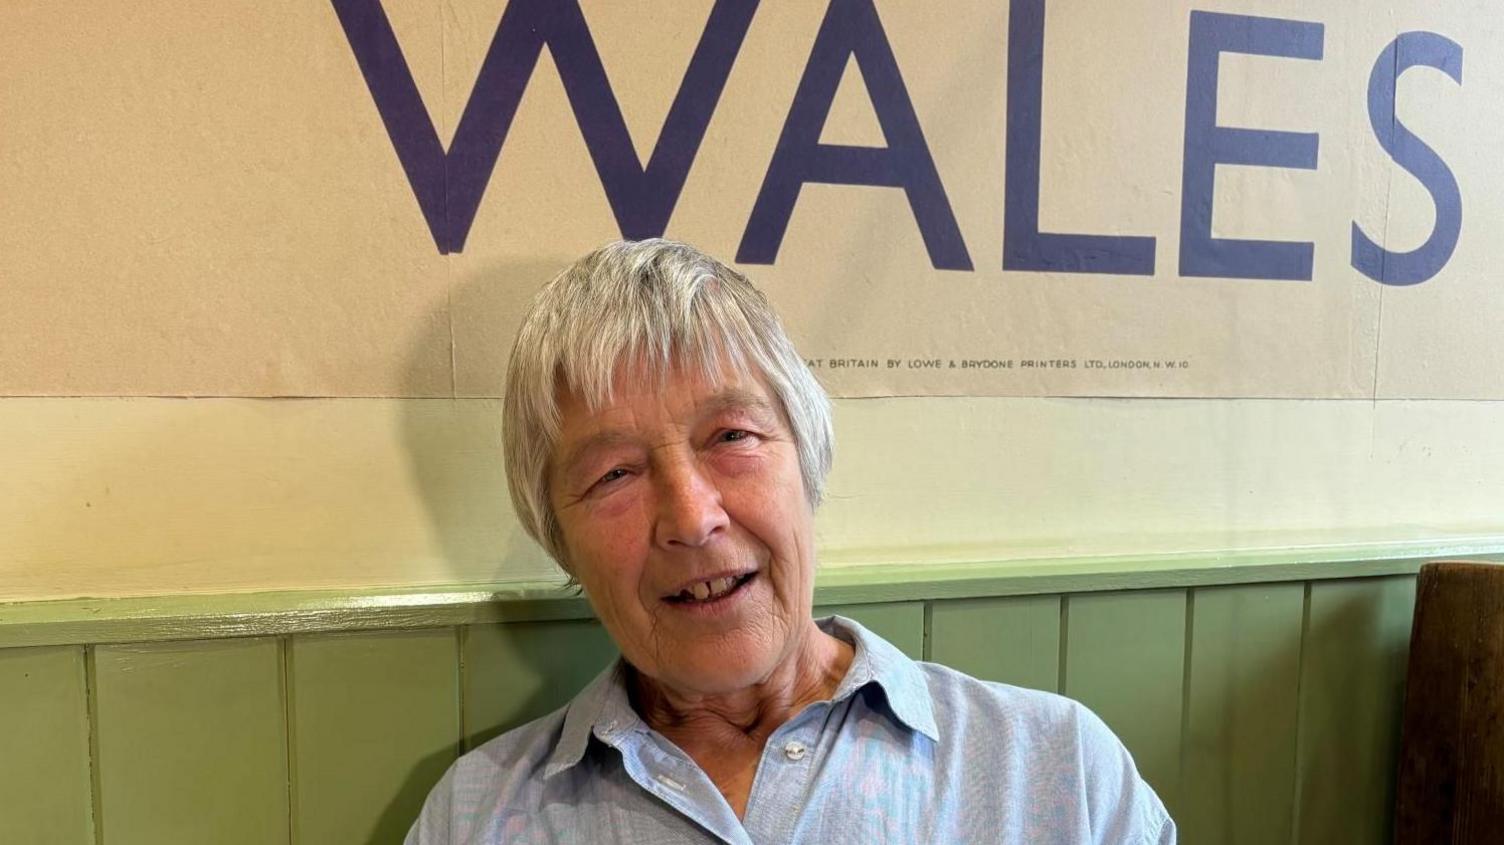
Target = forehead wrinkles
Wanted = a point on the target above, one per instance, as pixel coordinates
(618, 425)
(739, 399)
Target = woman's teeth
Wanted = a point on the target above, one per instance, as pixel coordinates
(706, 590)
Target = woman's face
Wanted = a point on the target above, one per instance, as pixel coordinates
(685, 519)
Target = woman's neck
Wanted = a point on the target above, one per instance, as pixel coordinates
(725, 733)
(695, 719)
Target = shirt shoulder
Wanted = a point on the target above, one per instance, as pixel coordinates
(1052, 742)
(501, 777)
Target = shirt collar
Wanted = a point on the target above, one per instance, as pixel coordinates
(879, 663)
(602, 709)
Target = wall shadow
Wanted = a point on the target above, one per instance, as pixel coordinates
(453, 441)
(515, 671)
(402, 811)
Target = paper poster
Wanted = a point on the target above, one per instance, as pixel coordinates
(980, 197)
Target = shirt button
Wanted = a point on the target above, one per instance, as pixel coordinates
(794, 750)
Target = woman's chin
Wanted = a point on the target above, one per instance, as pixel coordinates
(718, 672)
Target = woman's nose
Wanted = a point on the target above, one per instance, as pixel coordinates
(689, 511)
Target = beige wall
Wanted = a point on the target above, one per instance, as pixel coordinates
(105, 497)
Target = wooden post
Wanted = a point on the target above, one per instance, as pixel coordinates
(1451, 775)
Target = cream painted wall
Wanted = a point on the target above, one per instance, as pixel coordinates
(111, 497)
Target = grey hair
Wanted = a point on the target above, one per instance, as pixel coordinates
(661, 304)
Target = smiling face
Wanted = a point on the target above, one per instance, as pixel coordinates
(685, 520)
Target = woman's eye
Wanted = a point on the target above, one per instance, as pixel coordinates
(734, 435)
(612, 476)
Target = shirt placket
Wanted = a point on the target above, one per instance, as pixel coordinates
(679, 783)
(783, 778)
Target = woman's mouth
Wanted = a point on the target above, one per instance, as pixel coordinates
(703, 593)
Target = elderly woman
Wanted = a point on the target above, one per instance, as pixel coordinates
(668, 447)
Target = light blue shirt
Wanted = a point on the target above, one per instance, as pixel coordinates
(904, 752)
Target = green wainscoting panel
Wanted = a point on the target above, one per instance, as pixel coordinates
(900, 623)
(375, 723)
(45, 793)
(1262, 700)
(1238, 774)
(517, 672)
(1351, 693)
(192, 743)
(1125, 659)
(1013, 640)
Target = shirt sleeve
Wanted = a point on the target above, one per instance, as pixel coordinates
(432, 825)
(1121, 805)
(1166, 835)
